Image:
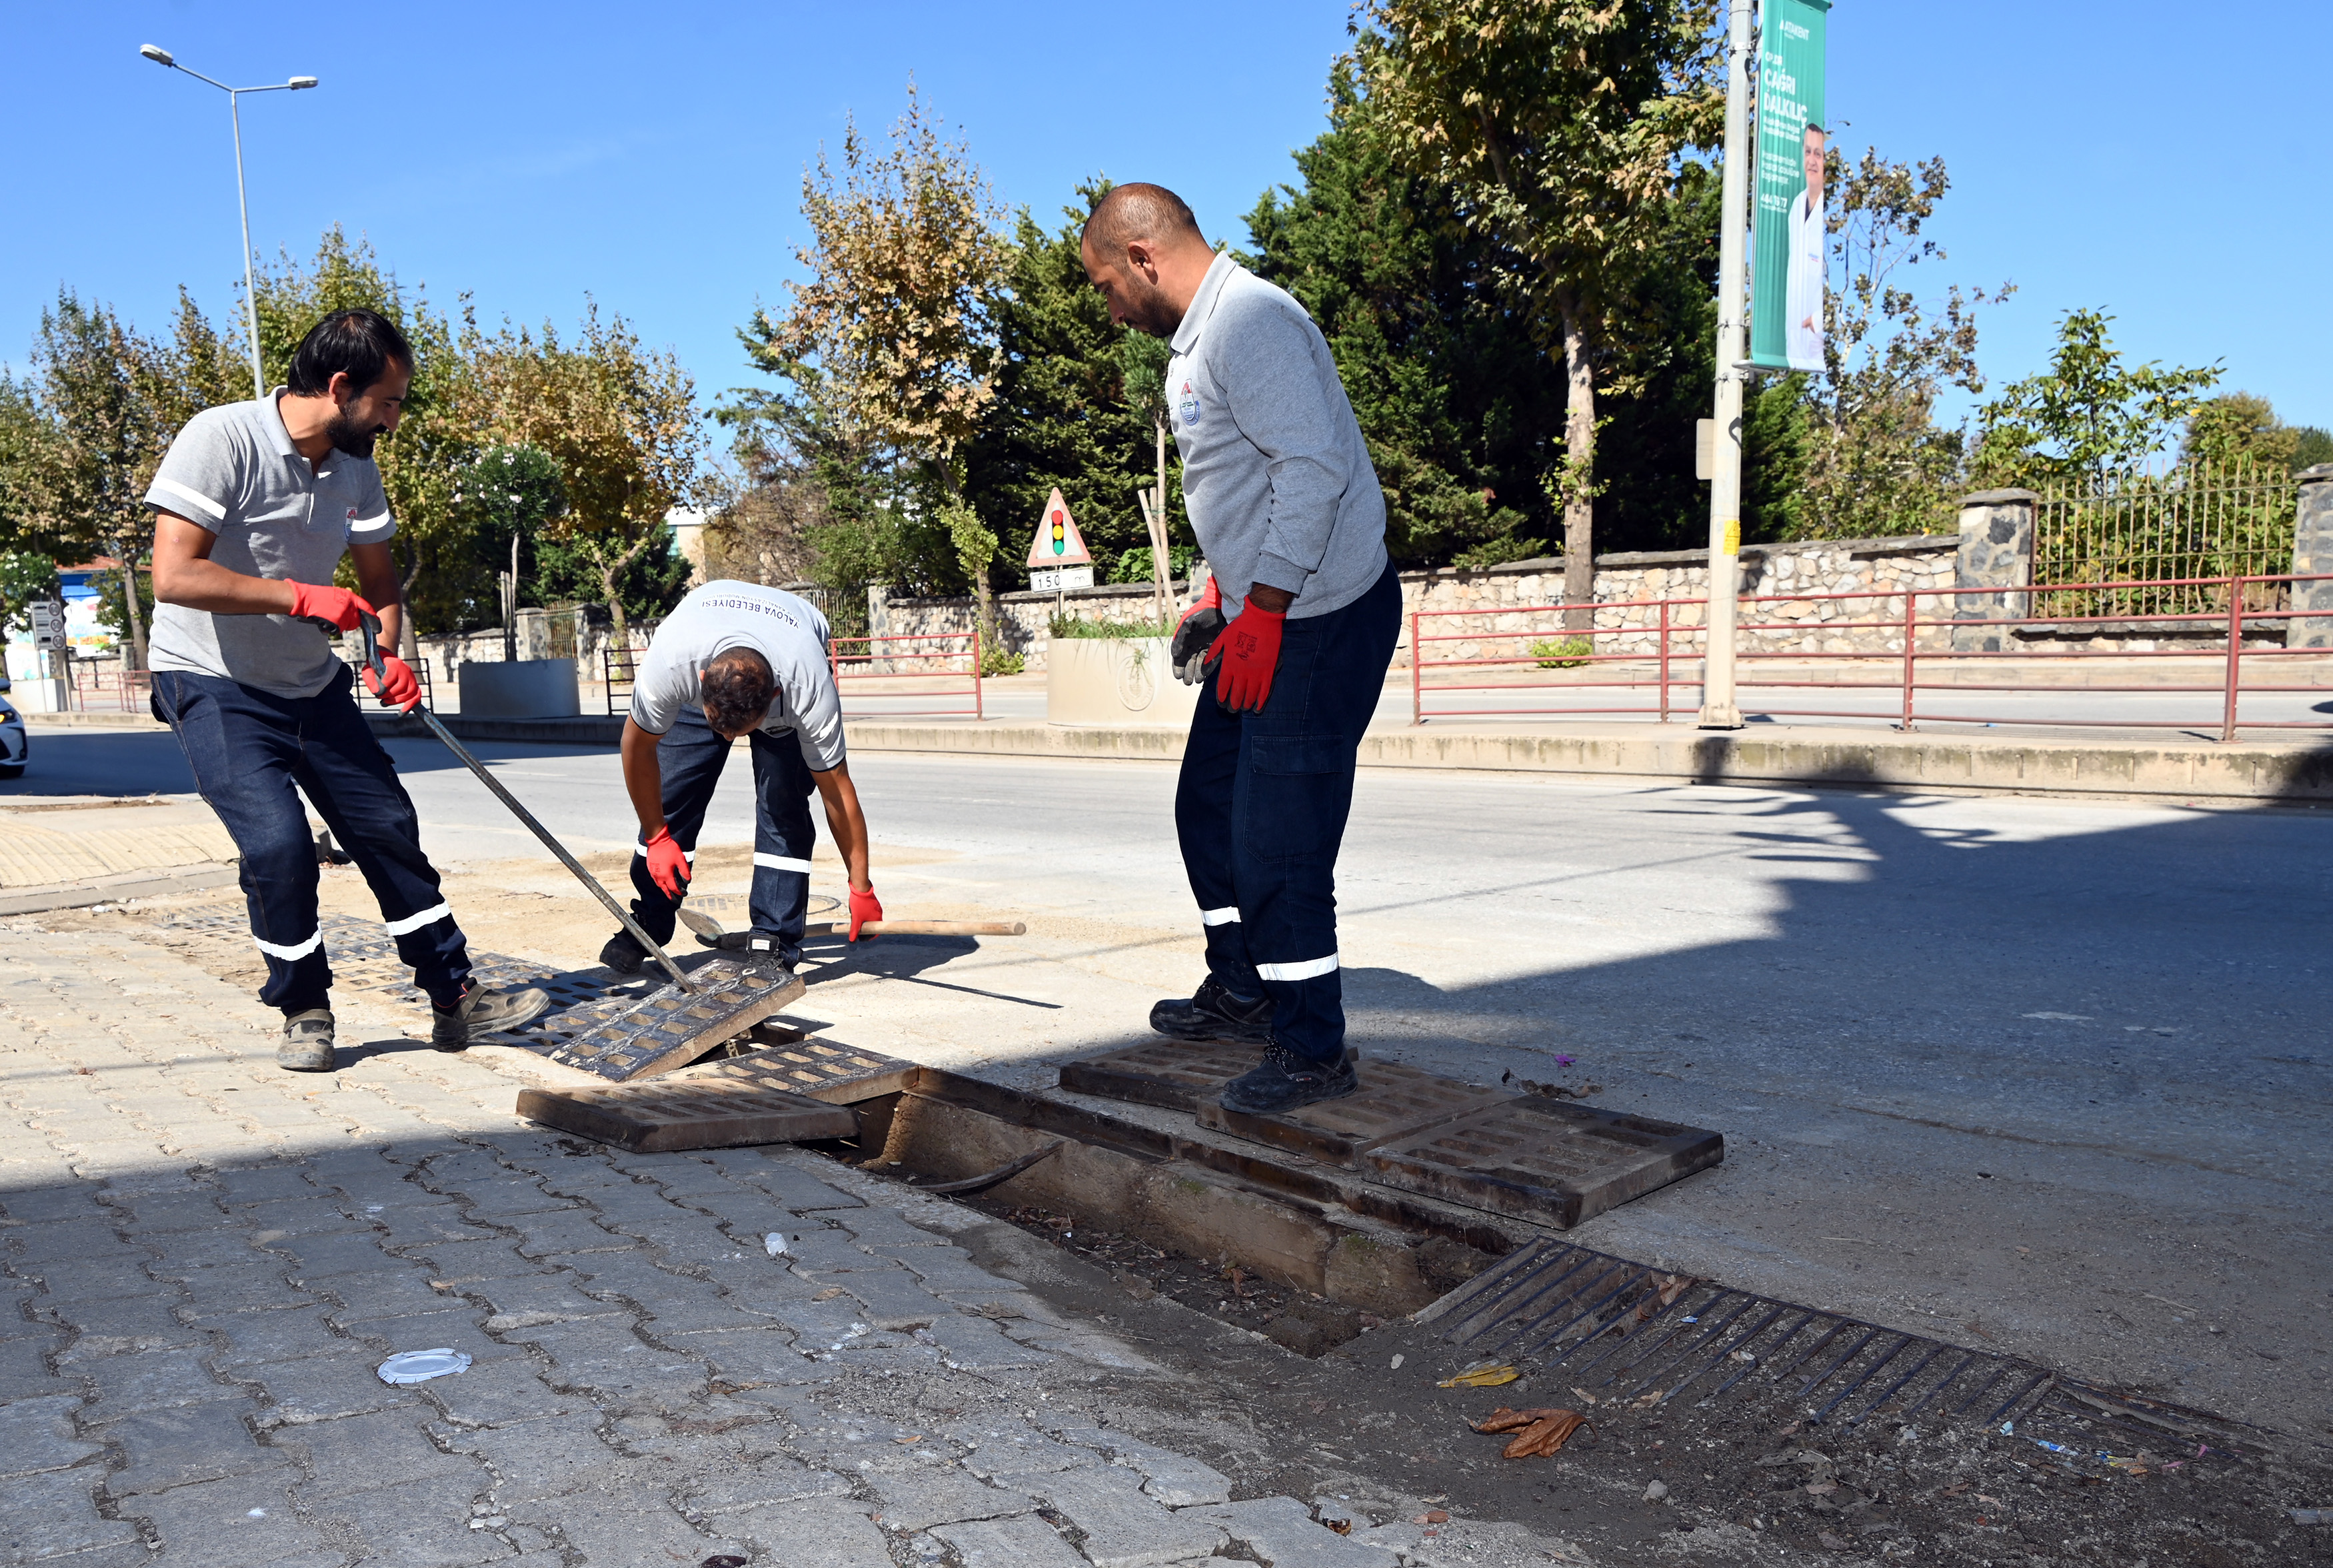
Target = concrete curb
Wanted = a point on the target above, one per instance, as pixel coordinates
(2149, 771)
(161, 883)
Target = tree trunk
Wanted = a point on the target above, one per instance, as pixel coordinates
(408, 641)
(1578, 470)
(126, 552)
(609, 572)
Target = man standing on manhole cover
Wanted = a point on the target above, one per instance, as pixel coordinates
(736, 658)
(1292, 638)
(256, 503)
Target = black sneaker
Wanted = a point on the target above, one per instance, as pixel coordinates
(624, 954)
(1283, 1081)
(1214, 1013)
(483, 1012)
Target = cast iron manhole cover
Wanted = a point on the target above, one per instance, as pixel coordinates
(817, 1069)
(1176, 1075)
(670, 1029)
(695, 1114)
(1393, 1102)
(1544, 1161)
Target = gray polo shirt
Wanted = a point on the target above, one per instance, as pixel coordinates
(787, 631)
(233, 470)
(1276, 475)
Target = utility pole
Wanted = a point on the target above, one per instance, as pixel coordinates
(163, 58)
(1719, 710)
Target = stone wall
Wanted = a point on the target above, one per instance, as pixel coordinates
(1521, 596)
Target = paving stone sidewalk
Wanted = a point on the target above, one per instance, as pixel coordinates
(206, 1258)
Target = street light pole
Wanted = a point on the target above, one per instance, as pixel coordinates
(1720, 710)
(162, 57)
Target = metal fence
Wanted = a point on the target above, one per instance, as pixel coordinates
(2140, 544)
(1904, 658)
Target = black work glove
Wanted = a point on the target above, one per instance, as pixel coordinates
(1201, 624)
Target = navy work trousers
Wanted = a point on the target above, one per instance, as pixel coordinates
(1260, 810)
(249, 749)
(689, 758)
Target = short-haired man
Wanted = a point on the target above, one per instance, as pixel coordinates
(736, 658)
(1281, 491)
(256, 503)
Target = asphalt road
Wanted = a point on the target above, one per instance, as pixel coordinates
(2048, 1076)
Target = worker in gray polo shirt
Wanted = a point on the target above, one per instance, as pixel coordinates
(256, 503)
(1292, 638)
(736, 658)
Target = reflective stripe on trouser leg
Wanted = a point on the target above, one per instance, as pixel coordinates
(689, 757)
(241, 745)
(1203, 827)
(783, 838)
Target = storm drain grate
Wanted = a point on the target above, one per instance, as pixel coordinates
(364, 958)
(1617, 1332)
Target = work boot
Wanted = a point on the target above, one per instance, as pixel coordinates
(1283, 1081)
(1214, 1013)
(623, 954)
(757, 948)
(307, 1044)
(483, 1012)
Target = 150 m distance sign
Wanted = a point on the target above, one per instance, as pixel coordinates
(1058, 557)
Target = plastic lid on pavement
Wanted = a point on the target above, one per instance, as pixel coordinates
(418, 1366)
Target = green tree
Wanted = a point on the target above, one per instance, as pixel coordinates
(1556, 126)
(887, 349)
(1454, 398)
(25, 575)
(2090, 415)
(1073, 405)
(621, 422)
(2311, 444)
(2238, 428)
(437, 437)
(1877, 462)
(99, 391)
(1661, 368)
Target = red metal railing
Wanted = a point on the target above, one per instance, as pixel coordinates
(98, 688)
(865, 668)
(1928, 650)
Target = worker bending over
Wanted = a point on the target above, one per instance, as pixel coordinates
(1293, 637)
(733, 659)
(254, 505)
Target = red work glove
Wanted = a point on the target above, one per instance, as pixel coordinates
(325, 603)
(667, 864)
(1250, 651)
(864, 907)
(396, 684)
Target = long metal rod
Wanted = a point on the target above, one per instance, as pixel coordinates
(557, 848)
(370, 630)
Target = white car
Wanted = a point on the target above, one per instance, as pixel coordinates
(14, 745)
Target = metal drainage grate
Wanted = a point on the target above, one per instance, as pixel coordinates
(364, 958)
(1599, 1324)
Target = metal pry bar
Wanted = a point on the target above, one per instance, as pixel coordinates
(370, 627)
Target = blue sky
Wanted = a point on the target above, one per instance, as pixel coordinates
(2155, 162)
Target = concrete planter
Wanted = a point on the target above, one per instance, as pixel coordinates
(522, 689)
(1115, 681)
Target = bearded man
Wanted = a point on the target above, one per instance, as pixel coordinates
(254, 505)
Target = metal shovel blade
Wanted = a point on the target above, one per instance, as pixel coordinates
(670, 1028)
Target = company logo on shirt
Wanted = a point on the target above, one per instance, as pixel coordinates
(1187, 405)
(352, 514)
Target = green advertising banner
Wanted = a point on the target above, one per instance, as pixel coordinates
(1789, 244)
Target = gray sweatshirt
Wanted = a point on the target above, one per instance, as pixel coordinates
(1275, 474)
